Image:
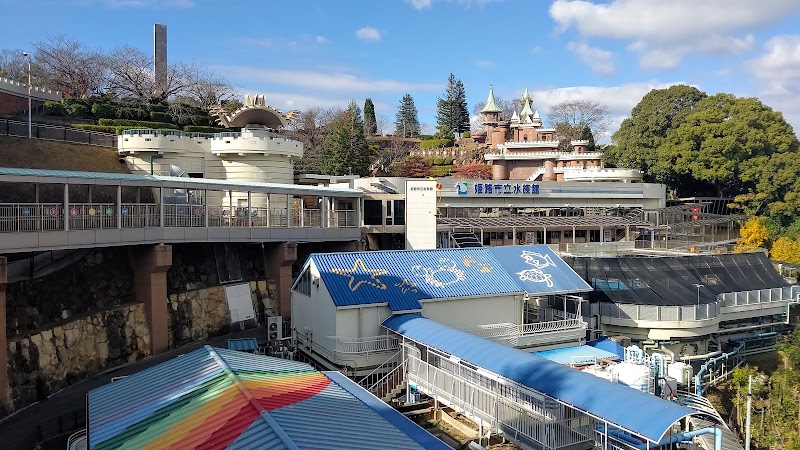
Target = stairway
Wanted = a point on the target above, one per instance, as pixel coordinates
(465, 240)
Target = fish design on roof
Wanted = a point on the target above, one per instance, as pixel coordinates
(437, 276)
(536, 274)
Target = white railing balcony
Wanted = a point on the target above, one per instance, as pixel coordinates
(365, 345)
(787, 294)
(663, 316)
(22, 217)
(530, 333)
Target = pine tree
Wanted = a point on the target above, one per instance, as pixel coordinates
(370, 124)
(452, 114)
(345, 149)
(406, 123)
(586, 135)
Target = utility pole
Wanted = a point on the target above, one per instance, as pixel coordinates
(747, 421)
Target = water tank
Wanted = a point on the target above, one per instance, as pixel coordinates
(682, 372)
(632, 375)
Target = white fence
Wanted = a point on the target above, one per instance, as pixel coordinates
(733, 299)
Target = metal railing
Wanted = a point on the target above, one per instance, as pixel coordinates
(513, 333)
(520, 413)
(57, 133)
(32, 217)
(744, 298)
(366, 345)
(690, 313)
(194, 135)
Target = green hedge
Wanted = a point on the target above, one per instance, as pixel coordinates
(199, 129)
(54, 108)
(441, 171)
(440, 161)
(104, 111)
(431, 144)
(101, 128)
(137, 124)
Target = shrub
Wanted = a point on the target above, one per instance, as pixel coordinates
(441, 161)
(427, 137)
(104, 110)
(415, 167)
(157, 116)
(466, 135)
(53, 108)
(474, 171)
(431, 144)
(101, 128)
(77, 110)
(158, 107)
(199, 129)
(137, 124)
(441, 171)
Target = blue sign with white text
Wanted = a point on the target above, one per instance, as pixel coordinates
(505, 188)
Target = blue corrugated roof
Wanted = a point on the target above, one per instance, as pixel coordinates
(403, 278)
(580, 354)
(538, 269)
(635, 411)
(604, 343)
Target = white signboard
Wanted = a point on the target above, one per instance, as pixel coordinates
(240, 302)
(420, 214)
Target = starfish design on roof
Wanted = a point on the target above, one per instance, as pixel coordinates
(359, 275)
(406, 286)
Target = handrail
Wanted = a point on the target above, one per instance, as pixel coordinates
(736, 356)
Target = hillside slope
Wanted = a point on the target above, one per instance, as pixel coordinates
(40, 154)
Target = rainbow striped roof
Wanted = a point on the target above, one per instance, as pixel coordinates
(214, 399)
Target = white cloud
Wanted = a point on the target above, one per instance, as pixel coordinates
(600, 61)
(320, 39)
(420, 4)
(483, 63)
(778, 68)
(322, 81)
(619, 99)
(662, 32)
(368, 34)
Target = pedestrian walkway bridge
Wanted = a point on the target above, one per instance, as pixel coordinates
(54, 210)
(531, 401)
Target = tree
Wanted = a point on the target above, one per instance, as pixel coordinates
(370, 123)
(345, 150)
(586, 135)
(406, 123)
(638, 137)
(415, 167)
(452, 114)
(785, 250)
(310, 128)
(570, 117)
(754, 234)
(476, 171)
(13, 65)
(726, 143)
(66, 65)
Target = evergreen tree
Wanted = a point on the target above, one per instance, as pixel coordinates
(370, 124)
(345, 149)
(586, 135)
(452, 114)
(406, 123)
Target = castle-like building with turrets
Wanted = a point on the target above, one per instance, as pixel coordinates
(521, 148)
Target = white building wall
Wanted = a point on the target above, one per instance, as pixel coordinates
(420, 214)
(469, 313)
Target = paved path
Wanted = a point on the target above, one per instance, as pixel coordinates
(16, 430)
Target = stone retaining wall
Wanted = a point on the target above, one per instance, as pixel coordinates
(45, 362)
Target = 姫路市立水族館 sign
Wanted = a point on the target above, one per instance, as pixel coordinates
(486, 188)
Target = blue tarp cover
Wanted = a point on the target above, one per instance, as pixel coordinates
(403, 278)
(638, 412)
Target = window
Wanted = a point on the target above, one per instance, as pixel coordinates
(525, 138)
(303, 284)
(399, 212)
(373, 214)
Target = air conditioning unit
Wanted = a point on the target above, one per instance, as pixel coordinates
(274, 328)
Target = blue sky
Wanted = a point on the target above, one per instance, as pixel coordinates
(326, 52)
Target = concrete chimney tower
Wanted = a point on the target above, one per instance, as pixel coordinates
(160, 57)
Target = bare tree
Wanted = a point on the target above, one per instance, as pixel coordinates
(13, 65)
(381, 122)
(581, 113)
(65, 64)
(209, 90)
(310, 128)
(570, 117)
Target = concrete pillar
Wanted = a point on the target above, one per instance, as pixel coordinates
(278, 260)
(5, 390)
(150, 265)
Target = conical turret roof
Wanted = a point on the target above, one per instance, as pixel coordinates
(526, 109)
(515, 117)
(491, 104)
(526, 95)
